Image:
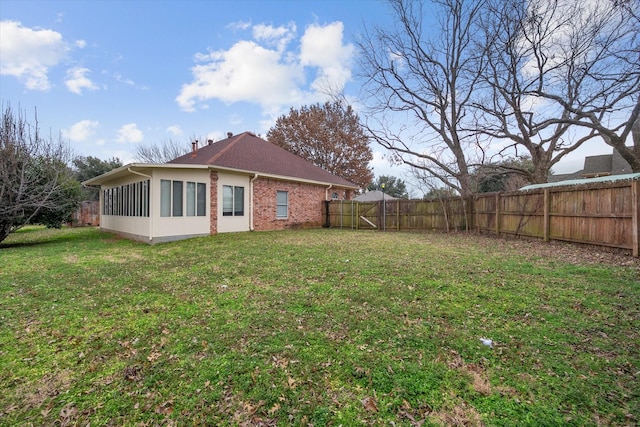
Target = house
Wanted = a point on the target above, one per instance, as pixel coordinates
(373, 196)
(597, 166)
(241, 183)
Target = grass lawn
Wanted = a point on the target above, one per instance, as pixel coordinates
(314, 327)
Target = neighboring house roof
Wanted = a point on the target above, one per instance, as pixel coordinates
(247, 152)
(595, 166)
(619, 164)
(373, 196)
(609, 178)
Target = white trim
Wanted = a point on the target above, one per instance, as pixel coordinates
(127, 168)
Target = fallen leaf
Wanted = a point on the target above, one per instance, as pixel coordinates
(154, 356)
(275, 408)
(68, 411)
(370, 404)
(291, 382)
(165, 408)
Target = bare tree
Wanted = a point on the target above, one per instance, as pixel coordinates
(34, 177)
(161, 153)
(424, 77)
(558, 74)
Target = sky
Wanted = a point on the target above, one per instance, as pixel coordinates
(110, 75)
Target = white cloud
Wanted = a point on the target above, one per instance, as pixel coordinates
(266, 72)
(321, 47)
(175, 130)
(279, 37)
(124, 80)
(28, 53)
(81, 44)
(81, 131)
(77, 80)
(245, 72)
(129, 133)
(239, 25)
(235, 119)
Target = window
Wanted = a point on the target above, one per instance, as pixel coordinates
(282, 204)
(196, 199)
(165, 197)
(177, 198)
(191, 198)
(145, 198)
(201, 199)
(232, 200)
(127, 200)
(173, 196)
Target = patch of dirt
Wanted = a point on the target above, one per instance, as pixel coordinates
(461, 415)
(51, 385)
(477, 373)
(572, 253)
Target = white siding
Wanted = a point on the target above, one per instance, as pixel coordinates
(174, 228)
(228, 224)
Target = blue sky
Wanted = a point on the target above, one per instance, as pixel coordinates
(110, 75)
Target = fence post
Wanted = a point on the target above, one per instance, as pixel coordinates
(546, 223)
(398, 215)
(498, 214)
(635, 217)
(476, 220)
(352, 217)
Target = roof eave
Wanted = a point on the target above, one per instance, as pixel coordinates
(105, 177)
(98, 180)
(283, 177)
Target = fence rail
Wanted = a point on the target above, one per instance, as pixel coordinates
(603, 214)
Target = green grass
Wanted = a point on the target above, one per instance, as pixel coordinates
(321, 327)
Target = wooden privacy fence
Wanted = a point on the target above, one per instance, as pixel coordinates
(87, 214)
(603, 214)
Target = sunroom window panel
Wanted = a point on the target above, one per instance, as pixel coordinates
(191, 198)
(201, 198)
(227, 200)
(177, 198)
(165, 197)
(238, 201)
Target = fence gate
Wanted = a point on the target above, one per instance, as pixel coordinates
(354, 215)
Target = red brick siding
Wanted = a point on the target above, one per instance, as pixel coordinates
(213, 203)
(305, 205)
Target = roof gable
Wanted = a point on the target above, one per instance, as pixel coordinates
(247, 152)
(597, 164)
(373, 196)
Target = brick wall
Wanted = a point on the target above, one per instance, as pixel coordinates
(305, 205)
(213, 204)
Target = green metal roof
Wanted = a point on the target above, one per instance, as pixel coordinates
(609, 178)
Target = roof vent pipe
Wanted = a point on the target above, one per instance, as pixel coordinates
(209, 141)
(229, 134)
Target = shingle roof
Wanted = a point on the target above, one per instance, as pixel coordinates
(247, 152)
(618, 164)
(373, 196)
(597, 164)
